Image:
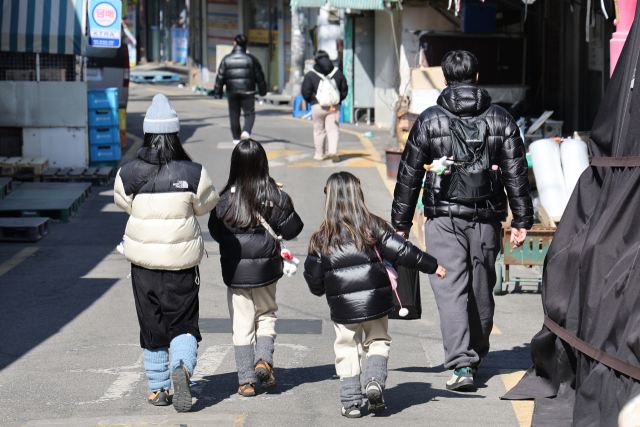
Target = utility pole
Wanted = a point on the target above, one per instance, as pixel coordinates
(297, 49)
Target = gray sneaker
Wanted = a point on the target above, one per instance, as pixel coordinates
(462, 379)
(351, 412)
(376, 400)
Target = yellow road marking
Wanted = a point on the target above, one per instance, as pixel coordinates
(522, 408)
(17, 259)
(239, 420)
(279, 153)
(224, 104)
(495, 331)
(166, 93)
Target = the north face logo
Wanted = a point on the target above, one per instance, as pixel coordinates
(181, 184)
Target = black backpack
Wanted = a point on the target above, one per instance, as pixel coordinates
(472, 178)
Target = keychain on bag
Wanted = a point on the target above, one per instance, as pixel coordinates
(290, 262)
(393, 277)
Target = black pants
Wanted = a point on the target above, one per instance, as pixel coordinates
(245, 102)
(167, 304)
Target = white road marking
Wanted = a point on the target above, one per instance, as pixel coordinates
(226, 145)
(122, 385)
(210, 360)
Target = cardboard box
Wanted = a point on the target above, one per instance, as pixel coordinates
(53, 75)
(427, 78)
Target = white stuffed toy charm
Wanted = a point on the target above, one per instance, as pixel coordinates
(290, 263)
(439, 166)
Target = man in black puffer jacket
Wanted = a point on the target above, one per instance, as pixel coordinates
(466, 235)
(240, 72)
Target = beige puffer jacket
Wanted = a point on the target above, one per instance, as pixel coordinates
(162, 232)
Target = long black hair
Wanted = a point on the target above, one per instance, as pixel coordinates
(346, 218)
(168, 147)
(253, 190)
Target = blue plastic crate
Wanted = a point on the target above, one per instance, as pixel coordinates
(104, 135)
(104, 152)
(103, 98)
(104, 117)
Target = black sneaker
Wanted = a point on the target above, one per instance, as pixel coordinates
(351, 412)
(181, 388)
(376, 400)
(462, 379)
(159, 398)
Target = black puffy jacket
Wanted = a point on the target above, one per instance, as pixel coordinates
(312, 80)
(430, 138)
(250, 257)
(356, 282)
(241, 72)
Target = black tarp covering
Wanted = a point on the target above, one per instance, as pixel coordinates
(591, 280)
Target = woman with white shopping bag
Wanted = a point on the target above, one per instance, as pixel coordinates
(250, 222)
(346, 262)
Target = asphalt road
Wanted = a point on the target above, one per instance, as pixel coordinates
(69, 348)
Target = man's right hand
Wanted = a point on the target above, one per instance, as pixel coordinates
(404, 233)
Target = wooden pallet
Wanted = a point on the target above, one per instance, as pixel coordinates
(94, 175)
(35, 166)
(6, 185)
(56, 200)
(9, 166)
(23, 229)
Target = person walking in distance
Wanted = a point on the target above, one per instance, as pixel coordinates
(324, 88)
(240, 72)
(476, 149)
(163, 191)
(345, 262)
(252, 209)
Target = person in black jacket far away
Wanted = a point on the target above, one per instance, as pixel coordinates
(464, 205)
(344, 262)
(326, 118)
(240, 72)
(251, 258)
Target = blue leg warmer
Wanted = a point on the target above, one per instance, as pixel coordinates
(156, 362)
(184, 347)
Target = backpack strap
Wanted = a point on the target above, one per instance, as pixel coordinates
(331, 74)
(453, 116)
(322, 76)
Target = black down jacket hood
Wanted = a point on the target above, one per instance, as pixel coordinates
(250, 257)
(430, 138)
(241, 72)
(312, 81)
(356, 282)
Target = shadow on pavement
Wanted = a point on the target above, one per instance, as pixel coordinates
(48, 290)
(213, 389)
(405, 395)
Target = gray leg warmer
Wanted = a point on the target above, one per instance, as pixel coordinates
(264, 349)
(350, 391)
(376, 370)
(245, 364)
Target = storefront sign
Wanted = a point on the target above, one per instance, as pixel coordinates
(262, 36)
(105, 18)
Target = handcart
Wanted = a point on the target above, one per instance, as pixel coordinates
(531, 253)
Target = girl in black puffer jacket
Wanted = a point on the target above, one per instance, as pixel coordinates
(343, 262)
(251, 258)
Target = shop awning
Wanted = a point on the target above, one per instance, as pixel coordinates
(342, 4)
(42, 26)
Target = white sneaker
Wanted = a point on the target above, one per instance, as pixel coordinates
(245, 135)
(236, 141)
(316, 157)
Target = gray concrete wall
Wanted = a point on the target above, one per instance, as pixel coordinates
(43, 104)
(387, 70)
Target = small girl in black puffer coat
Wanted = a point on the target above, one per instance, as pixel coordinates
(251, 259)
(343, 262)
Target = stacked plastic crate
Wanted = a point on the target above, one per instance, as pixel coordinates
(104, 127)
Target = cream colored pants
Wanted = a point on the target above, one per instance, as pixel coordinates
(253, 313)
(351, 340)
(325, 124)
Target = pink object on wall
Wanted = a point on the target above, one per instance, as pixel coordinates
(625, 12)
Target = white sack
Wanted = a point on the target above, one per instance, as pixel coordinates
(575, 159)
(421, 99)
(547, 168)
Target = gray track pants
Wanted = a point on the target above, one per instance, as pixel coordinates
(464, 297)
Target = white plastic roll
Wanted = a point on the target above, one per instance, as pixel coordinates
(575, 159)
(547, 168)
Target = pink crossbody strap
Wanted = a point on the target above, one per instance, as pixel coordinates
(393, 275)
